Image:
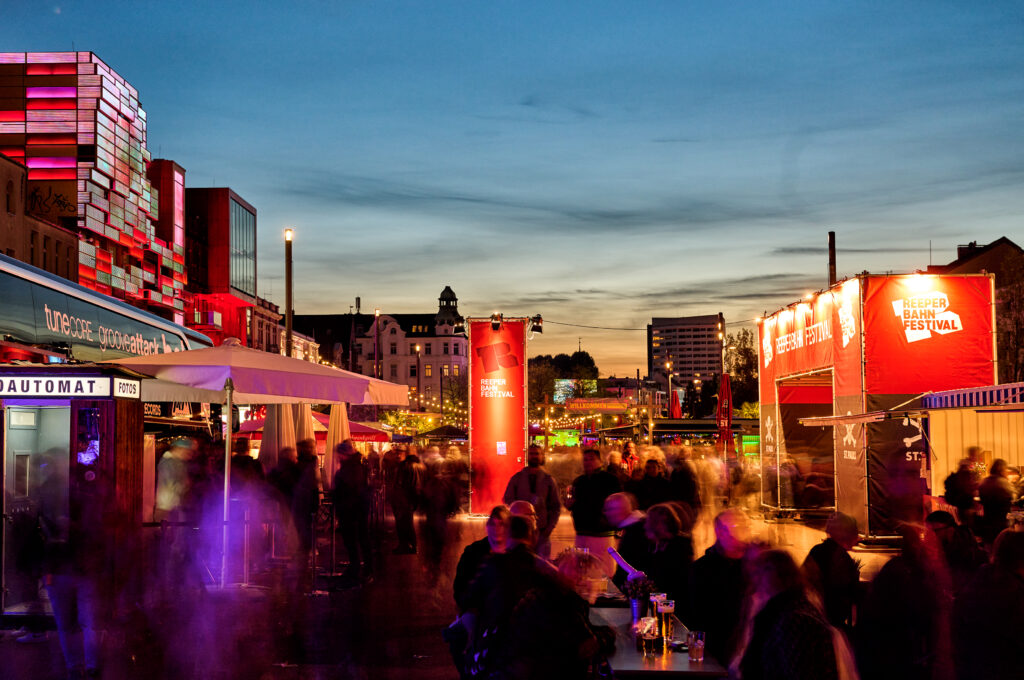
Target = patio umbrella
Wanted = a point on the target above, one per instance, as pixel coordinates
(230, 372)
(304, 428)
(338, 430)
(278, 433)
(723, 417)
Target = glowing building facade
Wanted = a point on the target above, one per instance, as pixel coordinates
(78, 128)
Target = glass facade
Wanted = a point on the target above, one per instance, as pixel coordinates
(243, 249)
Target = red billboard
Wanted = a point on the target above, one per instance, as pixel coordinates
(497, 407)
(928, 333)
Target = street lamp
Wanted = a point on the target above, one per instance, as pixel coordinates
(419, 397)
(288, 233)
(668, 372)
(376, 343)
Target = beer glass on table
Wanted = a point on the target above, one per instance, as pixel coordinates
(648, 631)
(666, 612)
(696, 645)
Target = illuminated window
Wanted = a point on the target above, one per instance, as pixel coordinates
(426, 371)
(456, 369)
(445, 368)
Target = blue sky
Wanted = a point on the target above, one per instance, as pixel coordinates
(599, 163)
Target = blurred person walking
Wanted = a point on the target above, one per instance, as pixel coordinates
(631, 538)
(718, 585)
(960, 547)
(410, 476)
(789, 637)
(903, 627)
(473, 558)
(534, 485)
(653, 487)
(351, 497)
(988, 612)
(589, 492)
(996, 496)
(833, 574)
(670, 551)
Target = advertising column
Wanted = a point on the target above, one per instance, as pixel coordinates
(497, 407)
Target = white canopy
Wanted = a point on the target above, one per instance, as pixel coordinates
(199, 375)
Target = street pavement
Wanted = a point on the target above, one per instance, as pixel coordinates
(389, 628)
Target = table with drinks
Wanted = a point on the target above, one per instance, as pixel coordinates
(655, 643)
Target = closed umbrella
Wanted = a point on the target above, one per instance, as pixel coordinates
(338, 430)
(304, 428)
(278, 433)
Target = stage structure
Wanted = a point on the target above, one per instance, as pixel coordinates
(851, 357)
(497, 404)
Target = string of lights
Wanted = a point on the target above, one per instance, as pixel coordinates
(620, 328)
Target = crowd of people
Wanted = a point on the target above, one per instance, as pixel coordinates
(945, 607)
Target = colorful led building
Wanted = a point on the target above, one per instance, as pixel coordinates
(78, 128)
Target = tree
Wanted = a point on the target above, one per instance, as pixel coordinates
(741, 363)
(1010, 319)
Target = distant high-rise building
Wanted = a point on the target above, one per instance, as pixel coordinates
(693, 345)
(78, 128)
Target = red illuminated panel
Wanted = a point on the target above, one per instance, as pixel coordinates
(497, 412)
(50, 104)
(928, 333)
(51, 69)
(51, 174)
(11, 116)
(12, 151)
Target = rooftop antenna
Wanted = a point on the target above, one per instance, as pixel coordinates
(579, 344)
(831, 259)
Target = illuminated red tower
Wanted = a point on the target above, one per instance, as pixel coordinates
(78, 127)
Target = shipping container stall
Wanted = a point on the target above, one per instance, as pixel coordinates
(868, 344)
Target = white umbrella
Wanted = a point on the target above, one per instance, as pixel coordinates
(278, 433)
(337, 431)
(304, 427)
(232, 372)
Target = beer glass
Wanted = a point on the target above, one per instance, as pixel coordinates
(648, 630)
(696, 645)
(666, 612)
(656, 599)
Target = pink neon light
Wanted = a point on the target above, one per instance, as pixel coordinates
(54, 173)
(47, 92)
(51, 69)
(51, 162)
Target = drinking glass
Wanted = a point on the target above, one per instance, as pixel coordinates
(695, 641)
(648, 630)
(666, 612)
(656, 599)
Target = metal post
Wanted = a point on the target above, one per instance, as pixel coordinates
(419, 370)
(229, 388)
(288, 291)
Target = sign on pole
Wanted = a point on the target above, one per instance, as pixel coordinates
(497, 406)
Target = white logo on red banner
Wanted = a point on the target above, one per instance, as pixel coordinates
(925, 314)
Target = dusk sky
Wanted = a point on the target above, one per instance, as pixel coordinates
(598, 163)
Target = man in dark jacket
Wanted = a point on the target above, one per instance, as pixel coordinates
(473, 558)
(535, 486)
(833, 574)
(351, 496)
(790, 638)
(409, 479)
(718, 585)
(653, 488)
(988, 612)
(589, 492)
